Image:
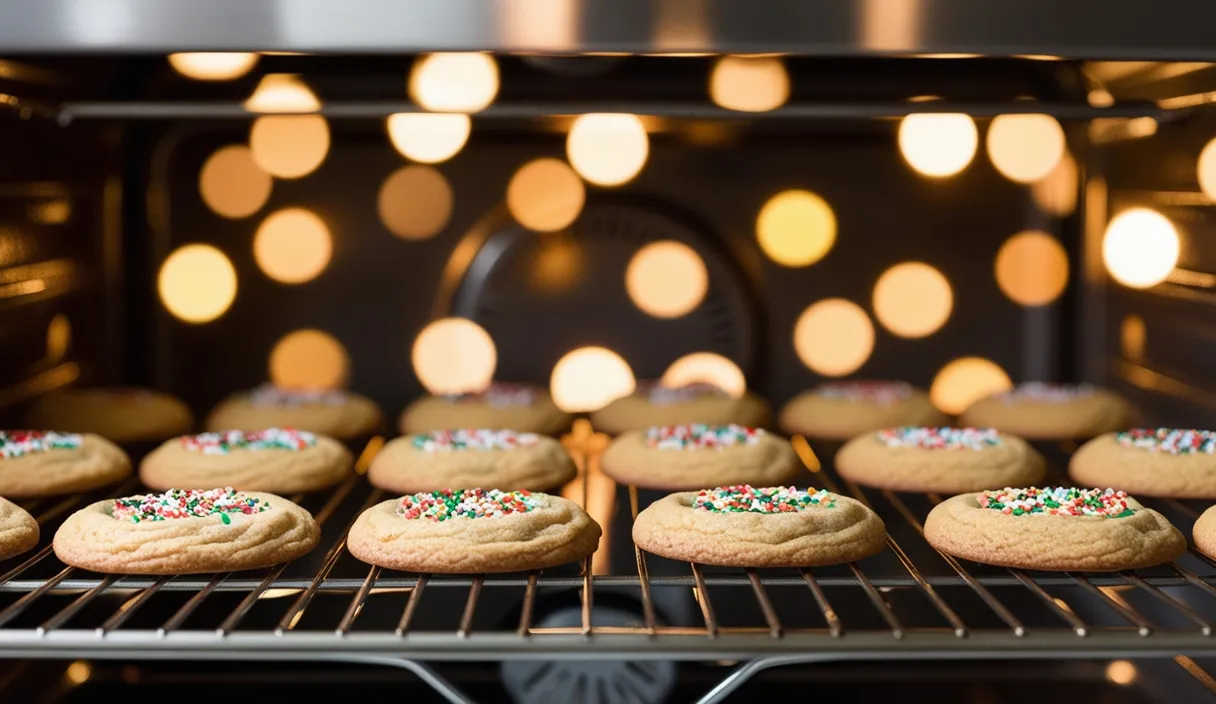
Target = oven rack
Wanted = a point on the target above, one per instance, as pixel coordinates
(916, 603)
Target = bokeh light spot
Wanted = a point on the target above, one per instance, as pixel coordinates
(1032, 268)
(749, 83)
(429, 138)
(708, 368)
(834, 337)
(232, 184)
(796, 228)
(938, 144)
(1140, 248)
(966, 380)
(454, 355)
(912, 299)
(292, 246)
(589, 378)
(545, 195)
(415, 202)
(666, 279)
(454, 82)
(309, 359)
(607, 149)
(289, 146)
(1025, 147)
(197, 283)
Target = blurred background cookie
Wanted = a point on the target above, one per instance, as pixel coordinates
(683, 457)
(338, 414)
(521, 407)
(463, 459)
(18, 530)
(46, 463)
(653, 404)
(1041, 411)
(1166, 462)
(118, 414)
(845, 409)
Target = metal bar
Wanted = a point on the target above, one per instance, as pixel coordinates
(411, 605)
(74, 608)
(126, 610)
(586, 596)
(1194, 579)
(1143, 627)
(30, 562)
(707, 609)
(1194, 670)
(470, 606)
(1078, 626)
(229, 624)
(829, 614)
(356, 603)
(1204, 627)
(643, 575)
(176, 620)
(61, 508)
(20, 605)
(335, 501)
(525, 613)
(884, 610)
(766, 606)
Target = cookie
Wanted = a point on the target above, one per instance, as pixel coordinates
(1178, 464)
(337, 414)
(845, 409)
(473, 531)
(1039, 411)
(503, 459)
(685, 457)
(186, 532)
(527, 409)
(18, 530)
(1059, 529)
(939, 460)
(121, 415)
(741, 526)
(273, 460)
(1204, 533)
(654, 404)
(44, 463)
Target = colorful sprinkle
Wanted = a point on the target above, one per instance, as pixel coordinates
(187, 503)
(883, 393)
(466, 503)
(472, 439)
(1047, 393)
(940, 438)
(1173, 441)
(268, 439)
(743, 498)
(15, 443)
(1057, 501)
(698, 436)
(665, 395)
(271, 396)
(499, 394)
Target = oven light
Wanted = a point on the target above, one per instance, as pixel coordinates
(213, 66)
(607, 149)
(1025, 148)
(938, 144)
(454, 82)
(1121, 672)
(1140, 248)
(429, 138)
(749, 84)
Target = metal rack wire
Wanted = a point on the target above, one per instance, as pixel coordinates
(910, 602)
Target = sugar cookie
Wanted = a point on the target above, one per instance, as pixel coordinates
(939, 460)
(1204, 533)
(186, 532)
(44, 463)
(1040, 411)
(18, 530)
(521, 407)
(845, 409)
(742, 526)
(654, 404)
(274, 460)
(685, 457)
(1063, 529)
(337, 414)
(473, 531)
(1178, 464)
(503, 459)
(118, 414)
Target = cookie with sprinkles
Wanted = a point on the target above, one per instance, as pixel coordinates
(47, 463)
(654, 404)
(186, 531)
(119, 414)
(471, 531)
(1053, 528)
(277, 460)
(439, 459)
(688, 456)
(841, 410)
(746, 526)
(18, 530)
(521, 407)
(1176, 463)
(1045, 411)
(337, 414)
(939, 459)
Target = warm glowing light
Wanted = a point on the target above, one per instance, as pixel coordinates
(833, 337)
(590, 378)
(289, 146)
(1132, 337)
(429, 138)
(708, 368)
(1121, 672)
(58, 337)
(1032, 268)
(292, 246)
(545, 195)
(1025, 148)
(796, 228)
(309, 359)
(558, 265)
(666, 279)
(78, 672)
(912, 299)
(461, 82)
(51, 212)
(749, 84)
(232, 184)
(1057, 193)
(282, 92)
(197, 283)
(454, 355)
(1100, 98)
(938, 144)
(607, 149)
(1206, 170)
(1140, 248)
(213, 66)
(965, 381)
(415, 202)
